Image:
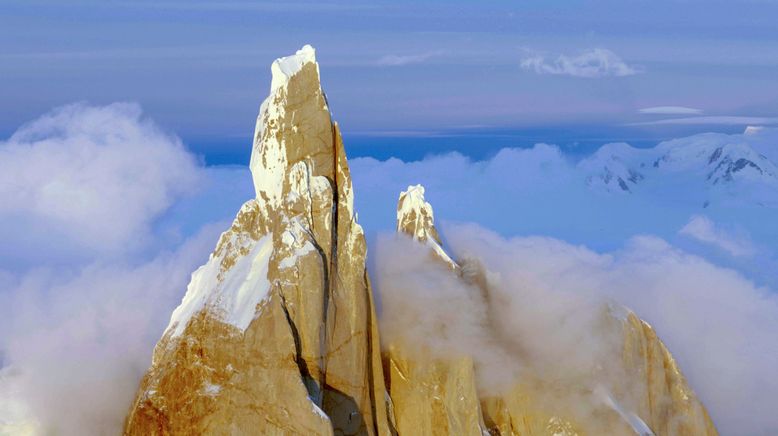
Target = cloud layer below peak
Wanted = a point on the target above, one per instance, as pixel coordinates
(93, 177)
(70, 323)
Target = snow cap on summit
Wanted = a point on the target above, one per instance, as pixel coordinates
(269, 155)
(286, 67)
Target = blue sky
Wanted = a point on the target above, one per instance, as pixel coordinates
(399, 71)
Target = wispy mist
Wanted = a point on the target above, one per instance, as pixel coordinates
(87, 281)
(544, 316)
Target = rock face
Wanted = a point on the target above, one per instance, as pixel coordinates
(415, 218)
(430, 395)
(441, 396)
(277, 332)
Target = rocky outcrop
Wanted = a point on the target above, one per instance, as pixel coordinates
(416, 219)
(430, 395)
(667, 404)
(277, 333)
(441, 396)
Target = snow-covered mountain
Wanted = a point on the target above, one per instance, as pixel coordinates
(615, 167)
(277, 333)
(723, 166)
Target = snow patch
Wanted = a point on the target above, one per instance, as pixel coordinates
(317, 410)
(412, 201)
(441, 252)
(284, 68)
(291, 261)
(268, 156)
(211, 389)
(634, 421)
(233, 299)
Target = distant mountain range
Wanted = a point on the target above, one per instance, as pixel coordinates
(722, 165)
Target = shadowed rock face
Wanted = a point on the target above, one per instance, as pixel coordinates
(277, 332)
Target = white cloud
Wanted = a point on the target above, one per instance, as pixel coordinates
(542, 191)
(719, 325)
(93, 177)
(705, 230)
(544, 297)
(592, 63)
(78, 319)
(95, 199)
(393, 60)
(78, 341)
(670, 110)
(733, 120)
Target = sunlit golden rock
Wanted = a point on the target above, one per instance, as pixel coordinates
(432, 396)
(439, 395)
(668, 404)
(277, 333)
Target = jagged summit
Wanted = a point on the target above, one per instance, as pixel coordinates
(284, 68)
(277, 333)
(414, 215)
(288, 122)
(279, 146)
(415, 218)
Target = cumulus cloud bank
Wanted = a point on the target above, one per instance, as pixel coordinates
(543, 191)
(718, 323)
(592, 63)
(507, 323)
(546, 304)
(107, 190)
(79, 342)
(89, 277)
(88, 177)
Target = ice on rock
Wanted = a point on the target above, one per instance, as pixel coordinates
(234, 298)
(284, 68)
(268, 156)
(415, 217)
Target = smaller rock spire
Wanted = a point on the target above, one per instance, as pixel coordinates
(416, 219)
